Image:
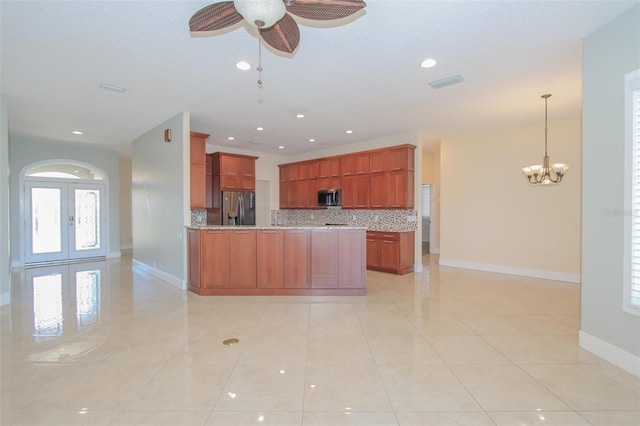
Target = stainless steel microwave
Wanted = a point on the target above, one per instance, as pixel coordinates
(329, 197)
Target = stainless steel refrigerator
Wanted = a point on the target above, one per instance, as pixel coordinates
(238, 208)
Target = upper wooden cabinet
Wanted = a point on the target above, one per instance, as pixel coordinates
(391, 160)
(198, 173)
(354, 164)
(380, 178)
(198, 147)
(329, 167)
(233, 172)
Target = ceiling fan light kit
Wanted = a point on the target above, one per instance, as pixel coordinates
(262, 13)
(545, 173)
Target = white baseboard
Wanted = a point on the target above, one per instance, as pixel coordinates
(605, 350)
(434, 250)
(510, 270)
(417, 267)
(113, 254)
(173, 280)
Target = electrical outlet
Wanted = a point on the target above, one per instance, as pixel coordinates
(412, 218)
(376, 218)
(354, 217)
(312, 216)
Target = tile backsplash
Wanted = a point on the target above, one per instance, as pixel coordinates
(374, 220)
(198, 217)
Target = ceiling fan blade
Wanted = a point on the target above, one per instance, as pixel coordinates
(283, 36)
(325, 10)
(215, 17)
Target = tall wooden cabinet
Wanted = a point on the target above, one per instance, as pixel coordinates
(198, 173)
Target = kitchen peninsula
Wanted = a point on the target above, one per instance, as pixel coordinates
(277, 260)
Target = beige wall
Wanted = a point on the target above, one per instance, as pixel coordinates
(492, 219)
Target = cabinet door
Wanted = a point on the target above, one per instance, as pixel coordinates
(208, 184)
(324, 258)
(329, 167)
(313, 170)
(390, 252)
(379, 161)
(193, 253)
(379, 183)
(328, 183)
(362, 191)
(297, 257)
(285, 195)
(400, 159)
(401, 190)
(214, 263)
(270, 260)
(198, 148)
(198, 186)
(349, 192)
(351, 258)
(373, 250)
(242, 259)
(247, 167)
(229, 165)
(356, 164)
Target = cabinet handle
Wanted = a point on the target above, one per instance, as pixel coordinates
(270, 232)
(240, 232)
(388, 236)
(388, 242)
(395, 169)
(215, 232)
(370, 239)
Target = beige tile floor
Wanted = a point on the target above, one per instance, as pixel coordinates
(103, 343)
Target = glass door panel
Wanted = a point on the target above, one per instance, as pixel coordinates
(87, 218)
(46, 219)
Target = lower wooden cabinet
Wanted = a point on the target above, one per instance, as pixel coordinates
(278, 261)
(390, 251)
(297, 257)
(270, 259)
(324, 258)
(242, 259)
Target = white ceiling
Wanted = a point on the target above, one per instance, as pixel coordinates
(361, 74)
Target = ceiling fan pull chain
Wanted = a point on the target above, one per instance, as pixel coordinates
(259, 56)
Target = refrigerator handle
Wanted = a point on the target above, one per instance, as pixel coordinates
(240, 209)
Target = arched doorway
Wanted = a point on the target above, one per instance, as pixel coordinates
(65, 211)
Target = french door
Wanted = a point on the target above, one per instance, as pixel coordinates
(64, 221)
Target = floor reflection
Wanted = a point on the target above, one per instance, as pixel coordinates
(65, 290)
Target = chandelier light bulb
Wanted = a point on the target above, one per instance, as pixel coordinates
(266, 12)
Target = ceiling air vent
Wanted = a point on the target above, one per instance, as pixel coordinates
(447, 81)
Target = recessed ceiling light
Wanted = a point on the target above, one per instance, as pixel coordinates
(230, 138)
(76, 171)
(300, 116)
(281, 147)
(111, 87)
(312, 140)
(259, 129)
(349, 132)
(76, 132)
(243, 66)
(428, 63)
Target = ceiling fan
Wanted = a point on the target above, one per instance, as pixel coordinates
(272, 17)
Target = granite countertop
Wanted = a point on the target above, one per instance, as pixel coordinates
(277, 227)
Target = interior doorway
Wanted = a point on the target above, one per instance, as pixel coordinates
(426, 218)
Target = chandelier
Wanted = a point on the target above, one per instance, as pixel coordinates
(545, 174)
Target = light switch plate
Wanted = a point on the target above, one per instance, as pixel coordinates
(412, 218)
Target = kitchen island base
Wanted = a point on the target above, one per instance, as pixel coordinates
(300, 261)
